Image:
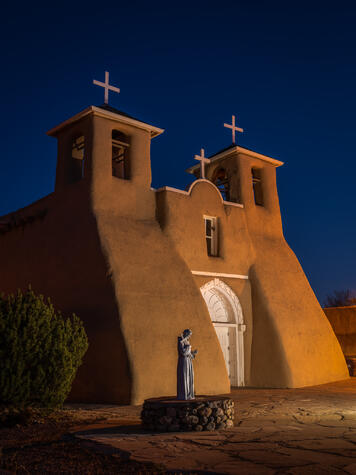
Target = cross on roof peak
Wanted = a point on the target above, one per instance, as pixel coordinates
(203, 160)
(233, 128)
(106, 86)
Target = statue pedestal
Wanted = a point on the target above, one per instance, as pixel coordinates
(202, 413)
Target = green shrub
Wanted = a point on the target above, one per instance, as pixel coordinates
(40, 351)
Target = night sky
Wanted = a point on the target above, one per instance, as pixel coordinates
(287, 70)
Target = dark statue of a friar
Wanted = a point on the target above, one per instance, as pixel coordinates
(185, 372)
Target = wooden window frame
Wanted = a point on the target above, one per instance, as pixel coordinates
(211, 235)
(121, 158)
(257, 186)
(78, 148)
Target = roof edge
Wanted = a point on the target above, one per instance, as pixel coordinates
(239, 150)
(155, 131)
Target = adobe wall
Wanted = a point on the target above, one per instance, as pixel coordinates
(155, 291)
(60, 256)
(293, 342)
(288, 338)
(121, 275)
(288, 319)
(181, 219)
(120, 256)
(343, 322)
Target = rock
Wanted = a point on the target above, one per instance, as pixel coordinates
(183, 413)
(193, 420)
(171, 412)
(206, 411)
(210, 426)
(202, 414)
(186, 420)
(204, 420)
(218, 412)
(165, 420)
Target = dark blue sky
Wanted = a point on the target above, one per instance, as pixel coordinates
(286, 69)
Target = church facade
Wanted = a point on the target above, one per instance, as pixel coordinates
(139, 265)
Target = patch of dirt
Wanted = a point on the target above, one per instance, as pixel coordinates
(71, 457)
(44, 446)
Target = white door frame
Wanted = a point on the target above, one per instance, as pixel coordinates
(224, 305)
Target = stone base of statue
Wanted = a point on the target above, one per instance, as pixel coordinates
(202, 413)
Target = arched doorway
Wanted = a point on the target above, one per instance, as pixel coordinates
(226, 314)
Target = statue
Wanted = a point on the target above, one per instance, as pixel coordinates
(185, 373)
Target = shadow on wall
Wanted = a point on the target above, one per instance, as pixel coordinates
(269, 366)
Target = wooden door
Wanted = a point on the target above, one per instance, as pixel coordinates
(227, 340)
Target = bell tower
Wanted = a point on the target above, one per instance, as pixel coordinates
(107, 152)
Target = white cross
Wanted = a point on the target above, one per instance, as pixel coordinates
(106, 86)
(203, 160)
(234, 128)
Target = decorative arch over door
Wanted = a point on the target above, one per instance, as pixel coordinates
(227, 317)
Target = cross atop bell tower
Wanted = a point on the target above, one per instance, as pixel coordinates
(234, 129)
(203, 160)
(106, 87)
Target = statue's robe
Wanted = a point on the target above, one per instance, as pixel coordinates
(185, 374)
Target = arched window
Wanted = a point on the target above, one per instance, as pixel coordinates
(120, 155)
(257, 186)
(77, 165)
(221, 180)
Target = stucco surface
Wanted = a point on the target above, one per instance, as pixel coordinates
(155, 291)
(60, 256)
(286, 311)
(121, 256)
(290, 341)
(157, 300)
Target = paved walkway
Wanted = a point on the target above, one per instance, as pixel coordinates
(289, 431)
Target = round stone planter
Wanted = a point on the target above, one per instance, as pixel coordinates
(202, 413)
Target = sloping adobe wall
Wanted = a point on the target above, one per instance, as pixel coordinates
(60, 256)
(157, 300)
(293, 343)
(343, 322)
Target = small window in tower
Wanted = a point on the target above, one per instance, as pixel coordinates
(211, 235)
(78, 158)
(120, 155)
(257, 186)
(221, 181)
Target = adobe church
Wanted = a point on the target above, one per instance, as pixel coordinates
(138, 265)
